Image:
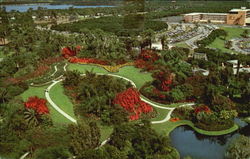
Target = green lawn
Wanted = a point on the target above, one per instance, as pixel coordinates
(129, 72)
(132, 73)
(57, 118)
(232, 33)
(161, 114)
(57, 95)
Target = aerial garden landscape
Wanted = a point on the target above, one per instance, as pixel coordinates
(90, 83)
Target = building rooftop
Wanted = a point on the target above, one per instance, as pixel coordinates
(206, 13)
(241, 9)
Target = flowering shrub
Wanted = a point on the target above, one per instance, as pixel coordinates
(202, 108)
(86, 60)
(166, 79)
(174, 119)
(130, 100)
(148, 55)
(146, 60)
(37, 104)
(67, 52)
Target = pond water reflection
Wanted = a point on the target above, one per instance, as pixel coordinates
(190, 143)
(25, 7)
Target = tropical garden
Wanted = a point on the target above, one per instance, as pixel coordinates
(115, 88)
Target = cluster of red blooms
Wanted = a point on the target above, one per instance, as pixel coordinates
(130, 100)
(86, 60)
(166, 79)
(70, 54)
(174, 119)
(148, 55)
(202, 108)
(146, 59)
(38, 104)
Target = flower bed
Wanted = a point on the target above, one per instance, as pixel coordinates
(130, 100)
(41, 69)
(86, 61)
(37, 104)
(146, 60)
(174, 119)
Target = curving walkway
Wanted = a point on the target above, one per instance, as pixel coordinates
(57, 108)
(54, 105)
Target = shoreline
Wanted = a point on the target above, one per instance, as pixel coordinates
(201, 131)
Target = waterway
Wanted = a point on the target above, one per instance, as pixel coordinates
(190, 143)
(25, 7)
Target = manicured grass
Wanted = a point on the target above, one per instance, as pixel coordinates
(57, 96)
(57, 118)
(106, 131)
(129, 72)
(161, 114)
(232, 33)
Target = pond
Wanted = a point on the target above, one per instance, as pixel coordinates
(197, 146)
(25, 7)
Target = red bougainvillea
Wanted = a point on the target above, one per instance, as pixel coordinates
(70, 54)
(202, 108)
(148, 55)
(38, 104)
(130, 100)
(86, 60)
(146, 60)
(67, 52)
(166, 79)
(174, 119)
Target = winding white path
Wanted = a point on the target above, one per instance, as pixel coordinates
(57, 108)
(168, 116)
(54, 105)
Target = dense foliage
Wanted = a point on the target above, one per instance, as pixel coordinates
(239, 148)
(93, 95)
(119, 26)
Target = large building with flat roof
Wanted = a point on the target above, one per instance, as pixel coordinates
(234, 17)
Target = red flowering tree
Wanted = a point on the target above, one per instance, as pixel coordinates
(148, 55)
(202, 108)
(37, 104)
(130, 100)
(68, 52)
(146, 60)
(165, 78)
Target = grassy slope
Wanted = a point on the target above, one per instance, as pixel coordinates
(232, 33)
(129, 72)
(57, 118)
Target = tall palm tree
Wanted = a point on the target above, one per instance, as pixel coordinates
(164, 40)
(31, 117)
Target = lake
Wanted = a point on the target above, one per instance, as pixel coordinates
(25, 7)
(190, 143)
